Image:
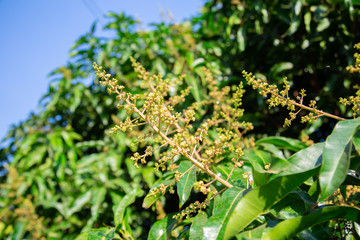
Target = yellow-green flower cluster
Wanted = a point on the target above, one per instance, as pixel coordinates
(282, 98)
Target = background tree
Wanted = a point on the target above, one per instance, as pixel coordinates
(67, 175)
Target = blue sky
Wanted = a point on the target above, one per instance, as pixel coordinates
(36, 37)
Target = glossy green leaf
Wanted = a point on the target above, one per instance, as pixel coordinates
(196, 229)
(236, 179)
(150, 198)
(253, 234)
(304, 160)
(186, 183)
(216, 224)
(336, 157)
(258, 160)
(283, 142)
(356, 141)
(293, 226)
(274, 150)
(124, 203)
(161, 229)
(260, 199)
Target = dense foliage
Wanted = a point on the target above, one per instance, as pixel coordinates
(64, 173)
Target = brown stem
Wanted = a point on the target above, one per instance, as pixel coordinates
(185, 154)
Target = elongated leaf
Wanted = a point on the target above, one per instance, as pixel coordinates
(293, 226)
(236, 179)
(336, 156)
(186, 182)
(79, 203)
(161, 229)
(283, 142)
(195, 90)
(241, 39)
(258, 160)
(304, 160)
(196, 230)
(261, 199)
(124, 203)
(215, 226)
(252, 234)
(97, 200)
(19, 230)
(150, 197)
(95, 234)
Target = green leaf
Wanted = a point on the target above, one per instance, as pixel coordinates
(198, 62)
(61, 165)
(252, 234)
(284, 143)
(79, 203)
(19, 230)
(356, 142)
(236, 179)
(258, 159)
(97, 199)
(323, 24)
(95, 234)
(293, 226)
(76, 98)
(241, 39)
(279, 68)
(304, 160)
(35, 156)
(195, 90)
(150, 198)
(161, 229)
(215, 226)
(260, 199)
(124, 203)
(196, 230)
(186, 183)
(307, 21)
(336, 156)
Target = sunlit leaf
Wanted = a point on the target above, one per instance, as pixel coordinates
(124, 203)
(215, 226)
(260, 199)
(161, 229)
(336, 157)
(293, 226)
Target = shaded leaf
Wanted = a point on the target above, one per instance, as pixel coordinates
(196, 230)
(124, 203)
(215, 226)
(186, 183)
(161, 229)
(293, 226)
(283, 142)
(150, 198)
